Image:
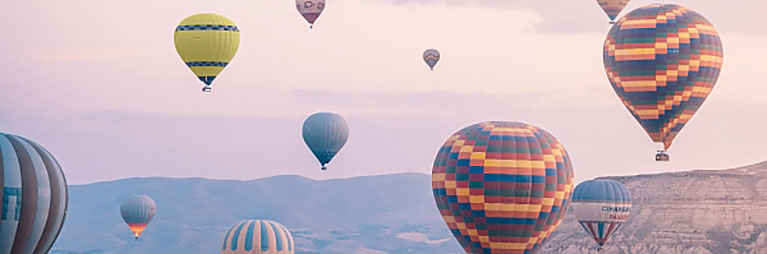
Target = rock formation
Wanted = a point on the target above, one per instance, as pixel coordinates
(694, 212)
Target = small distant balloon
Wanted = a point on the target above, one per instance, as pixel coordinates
(431, 57)
(310, 9)
(613, 7)
(325, 134)
(138, 211)
(34, 193)
(601, 207)
(258, 237)
(207, 43)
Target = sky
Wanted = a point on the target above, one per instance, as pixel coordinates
(100, 85)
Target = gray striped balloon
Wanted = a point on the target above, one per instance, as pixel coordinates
(325, 133)
(138, 211)
(258, 237)
(34, 196)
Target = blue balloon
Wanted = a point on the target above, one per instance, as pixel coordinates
(601, 191)
(601, 207)
(325, 134)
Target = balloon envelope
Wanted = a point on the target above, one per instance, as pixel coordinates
(502, 187)
(325, 134)
(601, 207)
(257, 237)
(663, 61)
(34, 196)
(207, 43)
(310, 9)
(613, 7)
(431, 57)
(138, 211)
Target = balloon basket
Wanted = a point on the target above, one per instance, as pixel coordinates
(662, 155)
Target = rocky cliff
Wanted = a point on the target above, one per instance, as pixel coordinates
(694, 212)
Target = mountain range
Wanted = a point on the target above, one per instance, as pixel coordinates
(702, 211)
(372, 214)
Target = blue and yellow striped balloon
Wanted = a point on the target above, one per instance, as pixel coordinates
(258, 237)
(207, 43)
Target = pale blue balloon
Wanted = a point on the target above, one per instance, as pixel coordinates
(138, 211)
(325, 133)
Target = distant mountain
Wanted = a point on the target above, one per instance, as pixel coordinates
(374, 214)
(700, 212)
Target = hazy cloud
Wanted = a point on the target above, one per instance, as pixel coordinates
(398, 133)
(586, 16)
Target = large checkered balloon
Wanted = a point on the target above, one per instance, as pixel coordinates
(662, 61)
(502, 187)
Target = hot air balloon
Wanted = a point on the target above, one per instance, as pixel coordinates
(138, 211)
(663, 61)
(601, 207)
(310, 9)
(502, 187)
(431, 57)
(207, 43)
(613, 7)
(325, 133)
(258, 237)
(34, 196)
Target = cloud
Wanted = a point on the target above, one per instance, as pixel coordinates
(435, 102)
(602, 139)
(586, 16)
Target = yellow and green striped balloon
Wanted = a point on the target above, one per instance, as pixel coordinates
(207, 43)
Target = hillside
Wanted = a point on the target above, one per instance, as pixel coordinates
(722, 211)
(694, 212)
(375, 214)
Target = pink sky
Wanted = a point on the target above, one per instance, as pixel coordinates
(100, 85)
